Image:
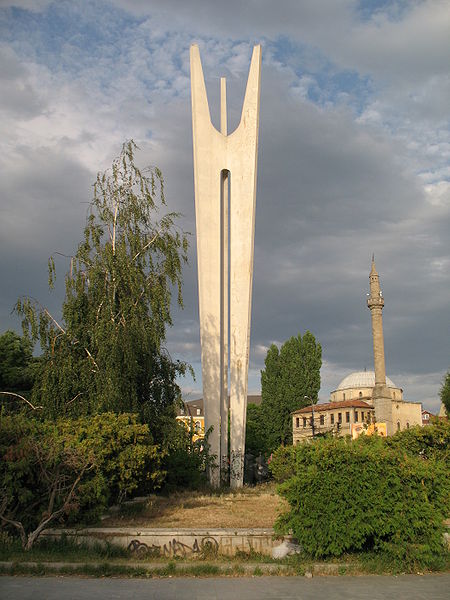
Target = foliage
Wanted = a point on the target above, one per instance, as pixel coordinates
(17, 365)
(256, 431)
(444, 393)
(282, 463)
(366, 495)
(107, 354)
(289, 381)
(430, 442)
(52, 470)
(186, 461)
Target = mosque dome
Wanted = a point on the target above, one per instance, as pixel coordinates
(359, 385)
(362, 379)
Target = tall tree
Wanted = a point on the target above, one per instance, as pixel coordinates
(444, 392)
(107, 353)
(290, 380)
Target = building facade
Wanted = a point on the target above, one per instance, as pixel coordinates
(192, 416)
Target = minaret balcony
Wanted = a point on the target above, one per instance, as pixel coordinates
(375, 302)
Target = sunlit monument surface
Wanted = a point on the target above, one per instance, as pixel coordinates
(225, 193)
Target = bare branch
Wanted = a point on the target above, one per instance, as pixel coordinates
(92, 358)
(52, 498)
(116, 209)
(74, 398)
(22, 398)
(18, 525)
(147, 245)
(43, 524)
(53, 319)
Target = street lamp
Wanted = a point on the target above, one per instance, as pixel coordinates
(312, 418)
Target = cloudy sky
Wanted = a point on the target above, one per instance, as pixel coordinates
(354, 158)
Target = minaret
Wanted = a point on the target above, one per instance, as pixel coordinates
(375, 302)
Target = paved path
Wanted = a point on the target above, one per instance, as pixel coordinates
(404, 587)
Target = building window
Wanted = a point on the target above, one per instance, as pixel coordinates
(304, 421)
(360, 394)
(339, 417)
(356, 416)
(407, 425)
(332, 418)
(310, 421)
(398, 425)
(322, 419)
(198, 411)
(297, 422)
(362, 416)
(347, 417)
(344, 395)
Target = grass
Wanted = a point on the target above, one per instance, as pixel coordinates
(212, 509)
(110, 562)
(64, 549)
(116, 570)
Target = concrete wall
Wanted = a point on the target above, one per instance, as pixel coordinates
(169, 543)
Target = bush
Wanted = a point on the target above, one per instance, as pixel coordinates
(186, 461)
(282, 463)
(366, 495)
(50, 471)
(430, 442)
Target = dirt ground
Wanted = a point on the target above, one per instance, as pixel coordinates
(256, 506)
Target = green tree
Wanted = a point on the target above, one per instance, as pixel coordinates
(256, 431)
(444, 392)
(107, 353)
(290, 380)
(17, 369)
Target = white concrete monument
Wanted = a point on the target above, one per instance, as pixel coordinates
(225, 193)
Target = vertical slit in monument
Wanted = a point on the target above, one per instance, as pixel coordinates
(224, 296)
(225, 179)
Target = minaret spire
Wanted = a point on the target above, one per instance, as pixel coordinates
(375, 302)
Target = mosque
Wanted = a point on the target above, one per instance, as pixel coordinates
(362, 400)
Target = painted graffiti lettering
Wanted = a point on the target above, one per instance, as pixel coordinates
(208, 546)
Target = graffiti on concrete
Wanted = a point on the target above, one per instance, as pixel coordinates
(208, 546)
(141, 550)
(236, 463)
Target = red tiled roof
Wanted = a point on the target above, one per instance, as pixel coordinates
(330, 405)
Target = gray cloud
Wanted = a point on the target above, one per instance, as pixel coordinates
(335, 183)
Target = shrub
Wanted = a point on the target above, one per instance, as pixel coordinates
(186, 462)
(53, 470)
(430, 442)
(349, 496)
(282, 463)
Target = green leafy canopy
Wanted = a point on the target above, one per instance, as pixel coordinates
(290, 380)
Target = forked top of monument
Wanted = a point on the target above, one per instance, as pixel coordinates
(200, 106)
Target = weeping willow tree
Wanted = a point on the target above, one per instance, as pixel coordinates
(107, 353)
